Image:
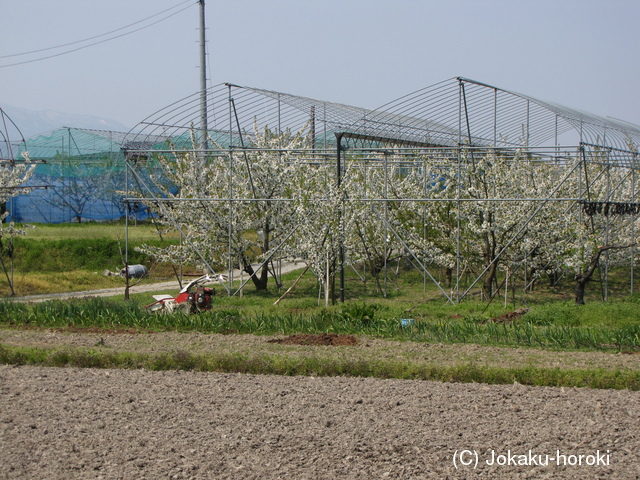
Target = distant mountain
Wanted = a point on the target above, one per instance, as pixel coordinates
(31, 122)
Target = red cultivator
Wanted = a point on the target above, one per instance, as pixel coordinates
(193, 298)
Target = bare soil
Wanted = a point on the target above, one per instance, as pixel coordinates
(319, 339)
(83, 423)
(329, 346)
(509, 317)
(68, 423)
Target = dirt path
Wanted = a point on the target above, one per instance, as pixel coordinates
(143, 286)
(104, 292)
(91, 424)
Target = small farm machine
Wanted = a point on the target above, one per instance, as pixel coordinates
(194, 297)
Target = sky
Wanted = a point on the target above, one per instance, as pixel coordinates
(579, 53)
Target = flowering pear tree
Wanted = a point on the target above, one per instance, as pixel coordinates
(265, 173)
(13, 176)
(193, 195)
(393, 227)
(370, 240)
(200, 201)
(492, 211)
(604, 224)
(321, 220)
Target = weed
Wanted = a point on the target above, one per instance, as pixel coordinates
(262, 363)
(359, 319)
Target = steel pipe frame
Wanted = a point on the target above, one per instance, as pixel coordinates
(458, 149)
(384, 199)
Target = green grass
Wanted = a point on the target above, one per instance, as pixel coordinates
(554, 325)
(93, 247)
(617, 313)
(141, 233)
(72, 254)
(371, 319)
(70, 257)
(553, 321)
(87, 246)
(317, 365)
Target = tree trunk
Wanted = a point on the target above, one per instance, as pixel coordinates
(490, 280)
(264, 279)
(583, 278)
(491, 263)
(532, 283)
(4, 268)
(580, 288)
(260, 282)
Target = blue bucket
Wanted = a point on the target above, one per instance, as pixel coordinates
(407, 322)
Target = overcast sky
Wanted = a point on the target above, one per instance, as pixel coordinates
(579, 53)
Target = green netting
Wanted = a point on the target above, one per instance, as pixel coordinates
(79, 174)
(69, 152)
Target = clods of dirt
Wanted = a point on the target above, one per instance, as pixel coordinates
(114, 331)
(317, 339)
(87, 330)
(510, 316)
(73, 423)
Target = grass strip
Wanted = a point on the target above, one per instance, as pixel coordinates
(278, 364)
(357, 319)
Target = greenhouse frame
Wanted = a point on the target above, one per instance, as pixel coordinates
(76, 178)
(458, 121)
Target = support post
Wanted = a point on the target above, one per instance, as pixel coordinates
(204, 127)
(634, 161)
(339, 183)
(125, 156)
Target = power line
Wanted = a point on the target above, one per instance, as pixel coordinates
(94, 37)
(97, 36)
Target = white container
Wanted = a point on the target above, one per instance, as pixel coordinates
(135, 271)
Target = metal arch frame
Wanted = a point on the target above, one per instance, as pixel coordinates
(537, 204)
(433, 116)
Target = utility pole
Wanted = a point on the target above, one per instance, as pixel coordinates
(204, 128)
(341, 213)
